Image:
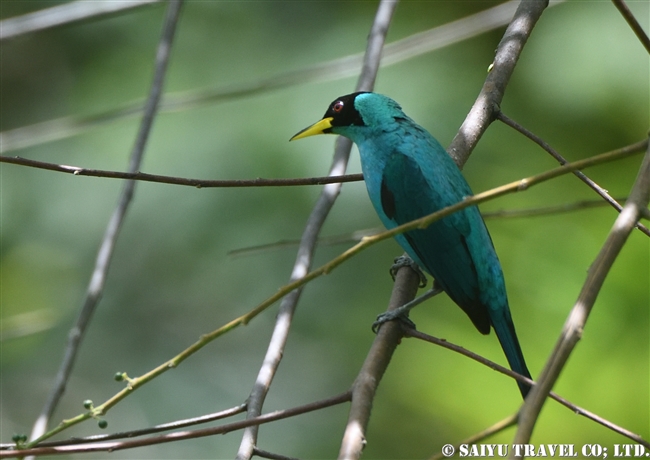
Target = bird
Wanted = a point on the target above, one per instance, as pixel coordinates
(408, 175)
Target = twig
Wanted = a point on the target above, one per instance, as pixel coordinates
(198, 183)
(96, 285)
(266, 454)
(143, 431)
(67, 13)
(358, 235)
(573, 327)
(347, 66)
(303, 262)
(410, 332)
(600, 420)
(546, 210)
(634, 24)
(374, 366)
(178, 436)
(560, 159)
(505, 371)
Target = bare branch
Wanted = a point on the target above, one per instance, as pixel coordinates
(574, 325)
(483, 111)
(198, 183)
(322, 208)
(358, 235)
(374, 366)
(102, 263)
(180, 435)
(265, 454)
(504, 370)
(67, 13)
(579, 174)
(547, 210)
(143, 431)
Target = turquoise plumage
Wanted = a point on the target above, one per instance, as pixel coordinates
(408, 175)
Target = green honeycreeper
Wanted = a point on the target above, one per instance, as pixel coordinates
(408, 175)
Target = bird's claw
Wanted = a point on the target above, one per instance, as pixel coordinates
(406, 261)
(398, 314)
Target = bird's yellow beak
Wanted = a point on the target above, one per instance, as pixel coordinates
(317, 128)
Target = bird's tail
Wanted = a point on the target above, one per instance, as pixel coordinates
(505, 330)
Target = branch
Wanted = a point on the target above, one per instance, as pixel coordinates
(102, 263)
(198, 183)
(314, 224)
(409, 332)
(574, 325)
(374, 366)
(67, 13)
(358, 235)
(560, 159)
(181, 435)
(484, 110)
(143, 431)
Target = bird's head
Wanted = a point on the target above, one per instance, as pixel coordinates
(352, 114)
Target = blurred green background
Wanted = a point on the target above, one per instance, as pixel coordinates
(581, 84)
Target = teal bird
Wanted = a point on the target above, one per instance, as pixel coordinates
(408, 175)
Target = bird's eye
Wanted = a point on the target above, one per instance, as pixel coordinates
(338, 106)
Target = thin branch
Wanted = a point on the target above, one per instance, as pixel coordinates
(96, 285)
(79, 10)
(181, 435)
(409, 332)
(314, 224)
(347, 66)
(574, 325)
(358, 235)
(290, 182)
(143, 431)
(600, 420)
(374, 366)
(266, 454)
(198, 183)
(483, 111)
(560, 159)
(546, 210)
(634, 24)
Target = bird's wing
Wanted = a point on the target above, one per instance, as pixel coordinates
(442, 248)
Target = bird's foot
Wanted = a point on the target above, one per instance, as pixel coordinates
(402, 313)
(406, 261)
